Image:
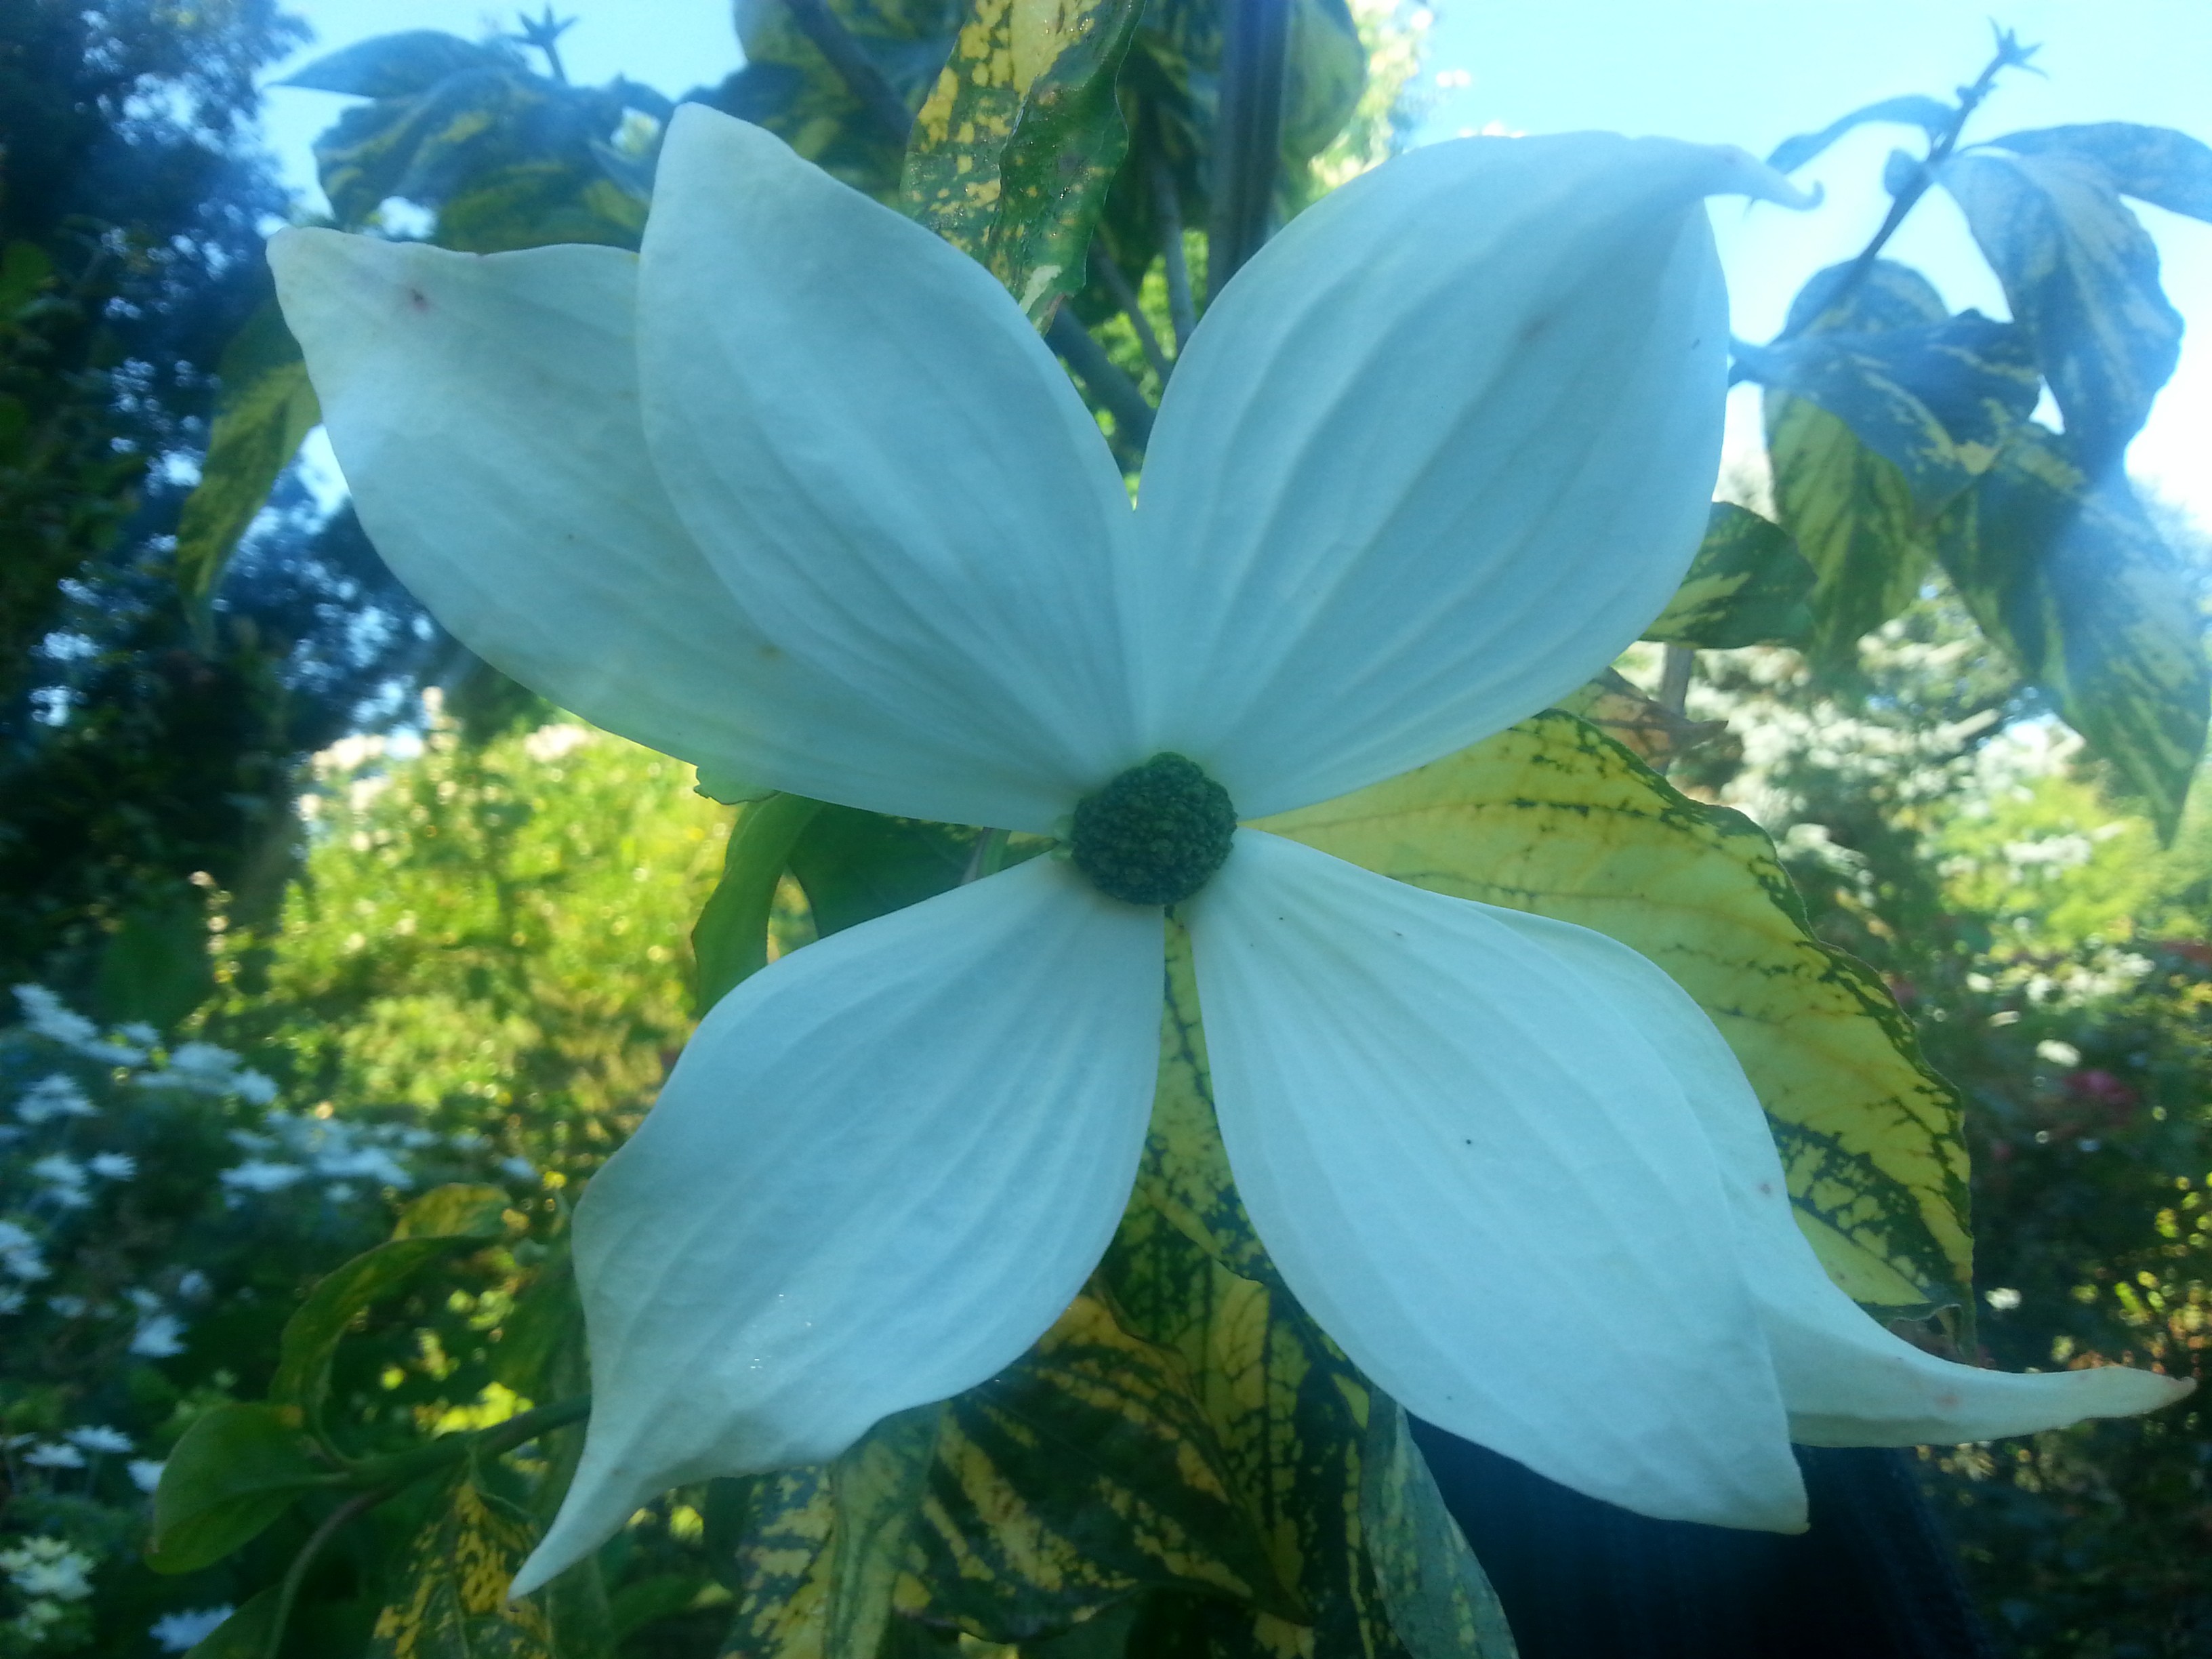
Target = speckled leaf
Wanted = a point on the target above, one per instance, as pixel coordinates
(789, 88)
(1184, 1179)
(1855, 522)
(2081, 275)
(2076, 584)
(1851, 512)
(264, 408)
(2157, 165)
(1083, 1473)
(878, 1486)
(1746, 585)
(1291, 1414)
(1440, 1601)
(1554, 817)
(1014, 151)
(1930, 115)
(1937, 400)
(781, 1569)
(452, 1602)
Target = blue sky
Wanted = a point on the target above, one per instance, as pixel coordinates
(1749, 72)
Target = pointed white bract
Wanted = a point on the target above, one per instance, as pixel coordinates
(799, 495)
(1486, 1185)
(876, 1173)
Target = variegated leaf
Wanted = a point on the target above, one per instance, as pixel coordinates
(1555, 818)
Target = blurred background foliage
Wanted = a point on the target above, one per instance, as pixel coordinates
(253, 801)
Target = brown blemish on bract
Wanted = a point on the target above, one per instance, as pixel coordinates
(417, 301)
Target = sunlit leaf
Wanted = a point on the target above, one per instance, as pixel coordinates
(2072, 580)
(451, 1599)
(236, 1469)
(2081, 275)
(1013, 150)
(1746, 585)
(264, 408)
(1554, 817)
(1930, 115)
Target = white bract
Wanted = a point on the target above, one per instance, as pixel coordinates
(798, 496)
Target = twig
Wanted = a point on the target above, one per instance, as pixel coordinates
(1123, 401)
(1166, 207)
(1126, 297)
(296, 1573)
(387, 1474)
(854, 68)
(1675, 665)
(2009, 54)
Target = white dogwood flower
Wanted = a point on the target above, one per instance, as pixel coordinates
(799, 495)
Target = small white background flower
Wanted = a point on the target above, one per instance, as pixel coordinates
(799, 495)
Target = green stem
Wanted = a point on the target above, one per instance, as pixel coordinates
(296, 1573)
(387, 1474)
(885, 108)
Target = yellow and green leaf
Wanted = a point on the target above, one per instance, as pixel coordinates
(1013, 150)
(2076, 584)
(452, 1603)
(1746, 585)
(263, 409)
(1555, 818)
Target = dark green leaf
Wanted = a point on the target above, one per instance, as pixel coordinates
(451, 1603)
(857, 866)
(235, 1470)
(2081, 275)
(1013, 150)
(264, 408)
(311, 1335)
(2069, 576)
(1441, 1602)
(245, 1634)
(397, 65)
(2157, 165)
(1746, 585)
(548, 1319)
(1935, 399)
(647, 1601)
(456, 1211)
(1930, 115)
(729, 941)
(781, 1566)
